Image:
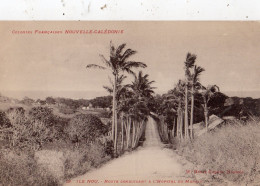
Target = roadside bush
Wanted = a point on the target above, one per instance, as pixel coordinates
(232, 148)
(17, 110)
(4, 121)
(66, 110)
(27, 132)
(82, 159)
(85, 128)
(21, 169)
(51, 121)
(105, 114)
(43, 114)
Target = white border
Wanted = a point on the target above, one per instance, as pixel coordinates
(130, 10)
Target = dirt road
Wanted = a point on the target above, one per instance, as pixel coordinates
(151, 164)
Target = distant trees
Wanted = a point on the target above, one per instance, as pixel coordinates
(50, 100)
(102, 102)
(27, 101)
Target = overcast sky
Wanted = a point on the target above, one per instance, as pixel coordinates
(229, 51)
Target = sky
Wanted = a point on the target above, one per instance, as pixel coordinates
(54, 64)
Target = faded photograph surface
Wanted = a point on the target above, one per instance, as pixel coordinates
(129, 103)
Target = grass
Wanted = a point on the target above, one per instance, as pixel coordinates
(234, 147)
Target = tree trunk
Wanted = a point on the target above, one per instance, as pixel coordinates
(137, 133)
(181, 125)
(125, 128)
(122, 135)
(179, 120)
(178, 125)
(113, 113)
(128, 132)
(206, 114)
(186, 111)
(173, 127)
(192, 111)
(133, 134)
(116, 130)
(114, 118)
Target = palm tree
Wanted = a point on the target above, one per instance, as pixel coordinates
(142, 91)
(194, 79)
(207, 93)
(121, 94)
(141, 86)
(169, 112)
(177, 97)
(117, 63)
(189, 63)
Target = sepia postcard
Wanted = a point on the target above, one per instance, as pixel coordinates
(129, 103)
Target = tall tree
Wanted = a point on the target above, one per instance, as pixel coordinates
(177, 97)
(195, 85)
(207, 93)
(121, 95)
(189, 63)
(118, 62)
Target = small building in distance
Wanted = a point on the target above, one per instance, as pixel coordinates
(90, 106)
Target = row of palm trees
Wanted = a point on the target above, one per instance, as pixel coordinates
(130, 101)
(179, 101)
(131, 105)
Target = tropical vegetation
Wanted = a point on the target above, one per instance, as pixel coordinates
(82, 134)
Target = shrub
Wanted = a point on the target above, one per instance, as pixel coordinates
(66, 110)
(21, 169)
(85, 128)
(53, 122)
(82, 159)
(232, 147)
(105, 114)
(27, 132)
(43, 114)
(4, 121)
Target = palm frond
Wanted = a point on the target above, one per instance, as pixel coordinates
(130, 71)
(110, 80)
(120, 79)
(112, 49)
(197, 71)
(120, 48)
(109, 89)
(133, 64)
(190, 60)
(127, 54)
(105, 61)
